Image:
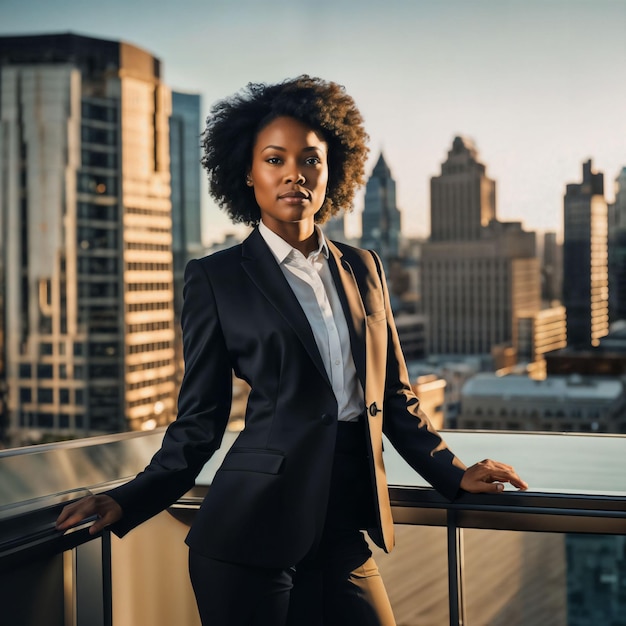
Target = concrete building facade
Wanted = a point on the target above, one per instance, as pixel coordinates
(477, 274)
(585, 259)
(557, 403)
(86, 237)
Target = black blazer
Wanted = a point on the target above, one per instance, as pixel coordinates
(267, 503)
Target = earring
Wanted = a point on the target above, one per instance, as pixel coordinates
(249, 181)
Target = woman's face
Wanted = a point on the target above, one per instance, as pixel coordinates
(289, 172)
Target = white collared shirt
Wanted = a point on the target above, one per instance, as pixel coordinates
(312, 283)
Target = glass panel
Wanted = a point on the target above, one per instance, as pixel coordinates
(415, 574)
(596, 579)
(515, 579)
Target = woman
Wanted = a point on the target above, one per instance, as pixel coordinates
(307, 323)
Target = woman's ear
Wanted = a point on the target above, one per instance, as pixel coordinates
(249, 180)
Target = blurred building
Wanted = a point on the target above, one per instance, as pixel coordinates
(86, 237)
(617, 250)
(381, 217)
(607, 359)
(334, 228)
(412, 335)
(539, 333)
(551, 269)
(558, 403)
(431, 391)
(186, 207)
(477, 274)
(462, 197)
(585, 259)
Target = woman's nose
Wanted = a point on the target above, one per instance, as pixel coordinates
(295, 176)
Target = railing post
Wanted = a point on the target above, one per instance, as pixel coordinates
(107, 580)
(88, 583)
(455, 570)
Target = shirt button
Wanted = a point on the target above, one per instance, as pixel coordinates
(336, 361)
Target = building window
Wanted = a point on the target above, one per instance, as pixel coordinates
(44, 396)
(44, 371)
(26, 394)
(45, 420)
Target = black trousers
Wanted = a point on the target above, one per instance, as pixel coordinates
(336, 584)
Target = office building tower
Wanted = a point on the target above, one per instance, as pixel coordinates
(86, 237)
(185, 130)
(381, 217)
(537, 334)
(462, 197)
(551, 269)
(585, 260)
(185, 170)
(617, 250)
(477, 274)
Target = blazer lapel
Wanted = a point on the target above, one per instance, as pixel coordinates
(352, 305)
(260, 264)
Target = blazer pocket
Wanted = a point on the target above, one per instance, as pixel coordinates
(378, 316)
(263, 462)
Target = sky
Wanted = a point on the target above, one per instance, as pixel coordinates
(538, 85)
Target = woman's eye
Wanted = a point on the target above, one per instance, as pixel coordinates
(313, 161)
(273, 160)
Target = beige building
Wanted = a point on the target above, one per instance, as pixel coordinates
(86, 239)
(477, 274)
(540, 332)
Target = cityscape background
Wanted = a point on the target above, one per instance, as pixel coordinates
(496, 196)
(536, 84)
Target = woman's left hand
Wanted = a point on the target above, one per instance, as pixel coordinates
(488, 477)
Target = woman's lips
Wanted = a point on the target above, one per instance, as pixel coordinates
(293, 197)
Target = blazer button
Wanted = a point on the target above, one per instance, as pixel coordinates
(373, 410)
(327, 419)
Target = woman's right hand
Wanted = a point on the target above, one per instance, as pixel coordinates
(107, 510)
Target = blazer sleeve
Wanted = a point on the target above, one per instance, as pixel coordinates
(406, 426)
(204, 404)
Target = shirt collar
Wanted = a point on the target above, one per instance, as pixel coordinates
(281, 249)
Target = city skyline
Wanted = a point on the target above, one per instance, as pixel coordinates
(535, 85)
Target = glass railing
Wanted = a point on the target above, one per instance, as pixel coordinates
(553, 555)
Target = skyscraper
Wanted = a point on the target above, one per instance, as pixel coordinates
(617, 250)
(478, 274)
(86, 237)
(585, 260)
(186, 207)
(186, 173)
(381, 217)
(552, 268)
(462, 197)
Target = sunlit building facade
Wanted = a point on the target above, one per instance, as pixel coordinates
(617, 250)
(86, 237)
(585, 259)
(477, 274)
(462, 197)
